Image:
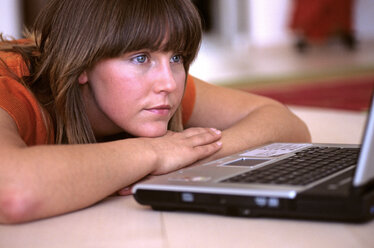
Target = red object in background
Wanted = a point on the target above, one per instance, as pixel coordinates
(354, 94)
(316, 20)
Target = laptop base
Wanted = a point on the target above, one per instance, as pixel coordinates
(342, 209)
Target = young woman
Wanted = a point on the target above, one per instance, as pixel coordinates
(99, 97)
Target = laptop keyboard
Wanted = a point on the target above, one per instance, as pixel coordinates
(303, 168)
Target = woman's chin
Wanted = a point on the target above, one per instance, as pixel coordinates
(151, 132)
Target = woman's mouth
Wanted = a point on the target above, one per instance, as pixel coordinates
(160, 110)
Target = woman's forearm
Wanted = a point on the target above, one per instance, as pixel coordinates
(50, 180)
(42, 181)
(269, 123)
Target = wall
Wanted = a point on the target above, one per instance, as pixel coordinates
(268, 20)
(265, 21)
(10, 12)
(364, 19)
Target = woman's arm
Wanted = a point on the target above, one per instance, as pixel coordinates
(42, 181)
(246, 119)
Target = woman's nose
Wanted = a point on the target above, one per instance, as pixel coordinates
(165, 81)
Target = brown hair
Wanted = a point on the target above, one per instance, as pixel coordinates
(73, 35)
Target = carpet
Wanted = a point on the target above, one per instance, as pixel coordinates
(345, 94)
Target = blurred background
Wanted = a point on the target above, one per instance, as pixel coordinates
(286, 49)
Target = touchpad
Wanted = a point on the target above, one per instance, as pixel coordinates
(247, 162)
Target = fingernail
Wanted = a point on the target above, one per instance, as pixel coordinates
(124, 191)
(216, 131)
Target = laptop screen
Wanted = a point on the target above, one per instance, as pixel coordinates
(365, 167)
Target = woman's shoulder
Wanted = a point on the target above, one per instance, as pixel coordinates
(11, 60)
(24, 109)
(19, 102)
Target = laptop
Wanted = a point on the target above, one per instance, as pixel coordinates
(331, 182)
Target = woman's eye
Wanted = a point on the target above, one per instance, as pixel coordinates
(176, 59)
(140, 59)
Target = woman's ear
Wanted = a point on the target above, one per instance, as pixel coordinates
(82, 79)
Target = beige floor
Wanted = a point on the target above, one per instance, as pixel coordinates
(250, 66)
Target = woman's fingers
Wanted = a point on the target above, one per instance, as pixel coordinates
(124, 191)
(204, 151)
(199, 130)
(204, 137)
(176, 150)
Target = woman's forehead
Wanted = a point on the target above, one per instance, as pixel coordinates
(166, 41)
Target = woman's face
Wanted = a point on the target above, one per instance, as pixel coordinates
(137, 93)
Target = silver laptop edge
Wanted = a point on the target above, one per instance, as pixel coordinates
(365, 167)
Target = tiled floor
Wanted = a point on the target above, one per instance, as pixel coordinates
(238, 66)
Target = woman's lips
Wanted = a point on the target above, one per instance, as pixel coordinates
(160, 110)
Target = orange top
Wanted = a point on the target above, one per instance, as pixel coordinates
(188, 101)
(20, 103)
(23, 107)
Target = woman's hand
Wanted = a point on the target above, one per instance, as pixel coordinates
(176, 150)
